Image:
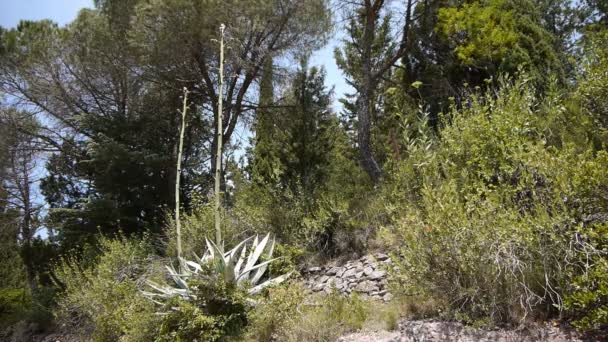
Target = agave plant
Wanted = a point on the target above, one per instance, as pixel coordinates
(237, 267)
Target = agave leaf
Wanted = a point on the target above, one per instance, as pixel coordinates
(255, 242)
(166, 291)
(277, 280)
(260, 272)
(271, 248)
(235, 251)
(183, 263)
(218, 262)
(210, 248)
(246, 271)
(176, 277)
(239, 263)
(195, 266)
(257, 252)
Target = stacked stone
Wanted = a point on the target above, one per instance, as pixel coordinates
(365, 276)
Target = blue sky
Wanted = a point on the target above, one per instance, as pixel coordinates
(64, 11)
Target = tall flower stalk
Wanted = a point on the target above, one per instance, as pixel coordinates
(178, 225)
(218, 161)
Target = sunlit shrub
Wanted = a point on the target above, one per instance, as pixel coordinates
(218, 312)
(286, 315)
(101, 301)
(484, 218)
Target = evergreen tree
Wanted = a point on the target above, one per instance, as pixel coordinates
(265, 165)
(309, 135)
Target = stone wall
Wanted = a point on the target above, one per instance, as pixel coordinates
(366, 276)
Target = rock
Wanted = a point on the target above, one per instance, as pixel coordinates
(366, 259)
(377, 275)
(359, 275)
(381, 256)
(333, 271)
(323, 279)
(387, 297)
(350, 273)
(340, 271)
(318, 287)
(313, 269)
(357, 264)
(368, 270)
(366, 287)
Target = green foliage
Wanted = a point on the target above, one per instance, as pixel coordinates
(485, 218)
(500, 35)
(490, 30)
(587, 301)
(101, 299)
(271, 318)
(593, 85)
(243, 266)
(14, 304)
(218, 313)
(197, 226)
(305, 183)
(284, 316)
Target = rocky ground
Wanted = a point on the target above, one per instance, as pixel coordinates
(428, 331)
(365, 276)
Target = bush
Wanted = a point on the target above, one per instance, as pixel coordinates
(588, 300)
(285, 316)
(199, 225)
(484, 218)
(218, 313)
(14, 304)
(101, 301)
(274, 316)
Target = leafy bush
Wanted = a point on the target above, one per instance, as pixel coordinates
(219, 311)
(198, 225)
(276, 313)
(286, 316)
(484, 217)
(101, 300)
(14, 304)
(588, 300)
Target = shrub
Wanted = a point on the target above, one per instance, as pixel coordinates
(198, 225)
(484, 218)
(218, 312)
(286, 316)
(276, 313)
(101, 301)
(587, 301)
(14, 304)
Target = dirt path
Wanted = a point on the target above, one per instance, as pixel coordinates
(427, 331)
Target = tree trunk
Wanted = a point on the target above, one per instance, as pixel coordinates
(368, 162)
(26, 228)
